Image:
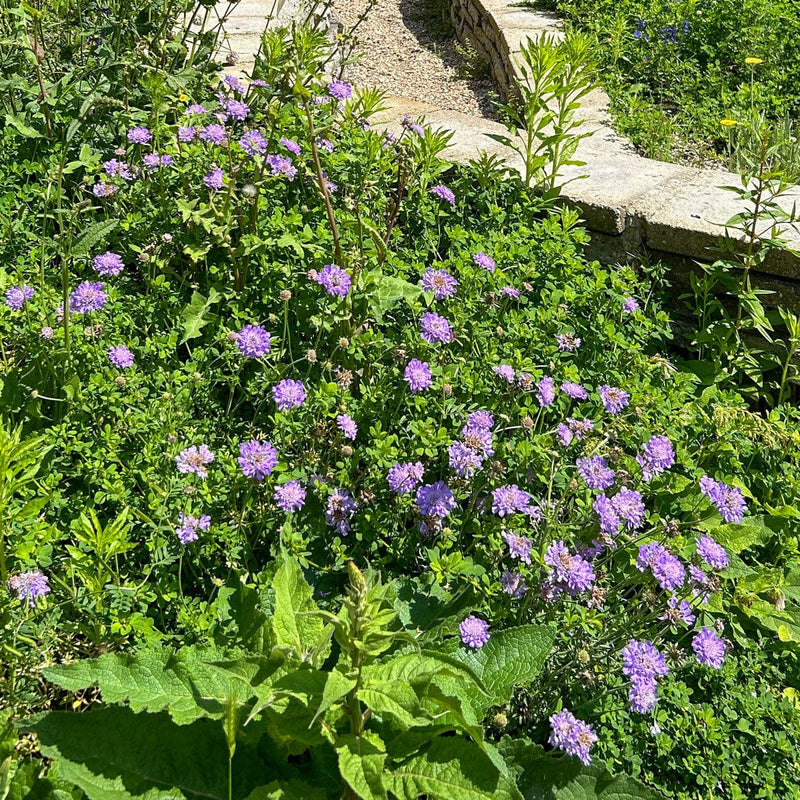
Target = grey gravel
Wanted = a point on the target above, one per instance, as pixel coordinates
(404, 50)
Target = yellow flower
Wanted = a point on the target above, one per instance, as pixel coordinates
(728, 123)
(753, 61)
(183, 98)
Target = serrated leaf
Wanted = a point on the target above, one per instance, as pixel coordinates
(361, 762)
(115, 754)
(241, 618)
(184, 683)
(294, 622)
(450, 768)
(739, 537)
(541, 776)
(337, 686)
(386, 291)
(92, 236)
(511, 657)
(398, 700)
(287, 790)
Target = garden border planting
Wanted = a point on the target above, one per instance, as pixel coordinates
(629, 202)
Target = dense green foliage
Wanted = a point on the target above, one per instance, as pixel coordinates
(195, 607)
(675, 70)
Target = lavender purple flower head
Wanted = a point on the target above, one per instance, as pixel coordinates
(253, 341)
(709, 648)
(436, 329)
(194, 460)
(108, 263)
(712, 553)
(571, 735)
(444, 193)
(484, 261)
(644, 665)
(435, 500)
(567, 572)
(347, 426)
(339, 511)
(440, 282)
(29, 587)
(334, 280)
(508, 500)
(120, 356)
(288, 394)
(728, 500)
(657, 456)
(404, 478)
(257, 459)
(88, 297)
(614, 399)
(290, 497)
(474, 632)
(417, 375)
(188, 527)
(17, 296)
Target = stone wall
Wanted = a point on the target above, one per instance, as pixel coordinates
(631, 204)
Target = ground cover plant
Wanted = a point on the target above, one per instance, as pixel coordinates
(687, 78)
(304, 427)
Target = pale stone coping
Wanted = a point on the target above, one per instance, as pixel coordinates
(670, 208)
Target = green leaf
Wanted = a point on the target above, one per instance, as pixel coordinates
(115, 754)
(287, 790)
(21, 126)
(386, 291)
(337, 686)
(196, 315)
(739, 537)
(361, 762)
(545, 777)
(92, 236)
(450, 768)
(182, 683)
(397, 699)
(241, 620)
(511, 657)
(294, 622)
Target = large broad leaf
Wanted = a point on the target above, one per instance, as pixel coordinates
(241, 621)
(511, 657)
(288, 790)
(739, 537)
(361, 762)
(545, 777)
(294, 622)
(386, 291)
(450, 768)
(397, 699)
(114, 754)
(184, 683)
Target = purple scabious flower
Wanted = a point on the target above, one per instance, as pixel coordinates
(194, 459)
(234, 83)
(574, 390)
(510, 291)
(152, 161)
(17, 296)
(186, 134)
(291, 145)
(108, 263)
(657, 457)
(709, 648)
(325, 144)
(237, 109)
(580, 427)
(642, 659)
(253, 341)
(188, 526)
(436, 329)
(288, 394)
(440, 282)
(480, 419)
(667, 569)
(609, 519)
(546, 391)
(567, 342)
(629, 507)
(139, 135)
(435, 500)
(699, 582)
(214, 179)
(120, 356)
(257, 459)
(728, 500)
(214, 134)
(404, 478)
(253, 143)
(281, 165)
(567, 571)
(417, 375)
(571, 735)
(484, 261)
(340, 90)
(290, 497)
(444, 193)
(195, 109)
(410, 125)
(595, 472)
(506, 372)
(508, 500)
(513, 584)
(29, 586)
(614, 399)
(103, 190)
(114, 167)
(478, 438)
(629, 305)
(518, 546)
(712, 553)
(334, 280)
(564, 434)
(347, 426)
(340, 510)
(88, 297)
(463, 460)
(474, 632)
(642, 694)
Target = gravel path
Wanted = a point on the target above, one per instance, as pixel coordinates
(404, 51)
